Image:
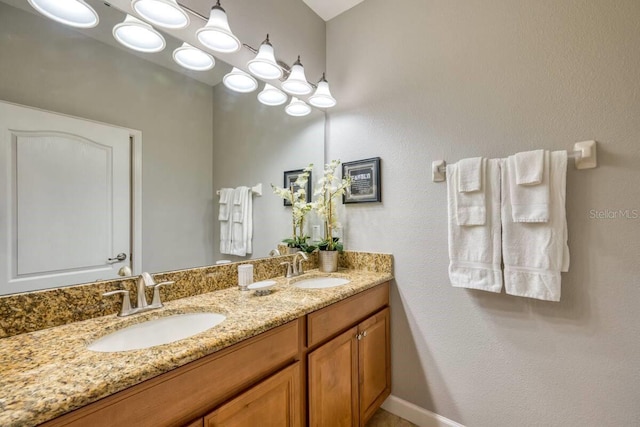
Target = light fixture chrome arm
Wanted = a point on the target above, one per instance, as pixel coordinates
(286, 68)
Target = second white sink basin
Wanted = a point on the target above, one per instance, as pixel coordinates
(154, 332)
(321, 282)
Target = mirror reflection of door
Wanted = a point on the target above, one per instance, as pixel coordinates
(64, 199)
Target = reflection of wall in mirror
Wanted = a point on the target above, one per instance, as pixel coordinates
(52, 67)
(47, 65)
(252, 142)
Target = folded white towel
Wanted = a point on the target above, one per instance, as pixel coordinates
(224, 201)
(529, 203)
(239, 195)
(470, 207)
(534, 254)
(242, 224)
(470, 174)
(226, 195)
(475, 252)
(529, 167)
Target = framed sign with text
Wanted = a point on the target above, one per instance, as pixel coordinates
(290, 178)
(365, 181)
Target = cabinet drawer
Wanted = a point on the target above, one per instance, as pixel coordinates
(179, 396)
(329, 321)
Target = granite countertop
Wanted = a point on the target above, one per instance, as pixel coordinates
(47, 373)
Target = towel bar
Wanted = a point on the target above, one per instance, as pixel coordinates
(256, 190)
(584, 154)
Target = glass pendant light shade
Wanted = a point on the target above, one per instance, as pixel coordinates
(217, 35)
(75, 13)
(163, 13)
(297, 108)
(193, 58)
(296, 83)
(138, 35)
(264, 64)
(322, 98)
(239, 81)
(272, 96)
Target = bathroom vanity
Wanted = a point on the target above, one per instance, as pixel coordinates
(343, 348)
(294, 357)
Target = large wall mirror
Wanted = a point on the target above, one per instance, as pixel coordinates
(197, 136)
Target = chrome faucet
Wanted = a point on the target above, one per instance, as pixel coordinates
(297, 266)
(274, 252)
(144, 281)
(289, 272)
(294, 267)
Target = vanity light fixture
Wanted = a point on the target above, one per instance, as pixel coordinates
(75, 13)
(322, 98)
(239, 81)
(297, 108)
(272, 96)
(193, 58)
(296, 83)
(138, 35)
(217, 35)
(163, 13)
(264, 65)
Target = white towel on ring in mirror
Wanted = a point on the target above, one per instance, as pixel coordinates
(475, 252)
(242, 231)
(238, 204)
(224, 216)
(224, 203)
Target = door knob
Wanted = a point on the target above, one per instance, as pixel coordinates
(120, 257)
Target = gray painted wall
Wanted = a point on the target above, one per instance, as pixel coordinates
(47, 65)
(254, 144)
(419, 80)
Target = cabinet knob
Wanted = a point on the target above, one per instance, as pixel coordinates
(364, 334)
(359, 337)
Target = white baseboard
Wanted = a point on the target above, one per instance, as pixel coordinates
(415, 414)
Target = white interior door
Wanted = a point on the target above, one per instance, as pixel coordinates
(64, 199)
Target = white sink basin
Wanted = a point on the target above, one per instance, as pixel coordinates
(156, 332)
(321, 282)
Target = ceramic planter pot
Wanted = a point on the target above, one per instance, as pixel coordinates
(328, 261)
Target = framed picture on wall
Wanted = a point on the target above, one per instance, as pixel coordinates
(365, 181)
(290, 178)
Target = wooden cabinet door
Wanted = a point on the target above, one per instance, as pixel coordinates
(374, 363)
(333, 382)
(274, 402)
(196, 423)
